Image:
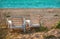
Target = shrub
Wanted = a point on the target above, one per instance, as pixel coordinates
(58, 25)
(50, 37)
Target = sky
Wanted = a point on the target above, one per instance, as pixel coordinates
(29, 3)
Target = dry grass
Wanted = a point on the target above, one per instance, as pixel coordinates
(3, 33)
(16, 34)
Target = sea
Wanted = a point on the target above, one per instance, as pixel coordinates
(29, 3)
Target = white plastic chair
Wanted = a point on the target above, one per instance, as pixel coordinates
(11, 24)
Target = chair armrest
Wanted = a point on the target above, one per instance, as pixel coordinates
(9, 23)
(35, 25)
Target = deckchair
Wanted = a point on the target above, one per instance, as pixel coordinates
(16, 22)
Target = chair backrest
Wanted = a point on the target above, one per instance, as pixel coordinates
(35, 19)
(16, 21)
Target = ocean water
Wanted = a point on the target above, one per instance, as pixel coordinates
(29, 3)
